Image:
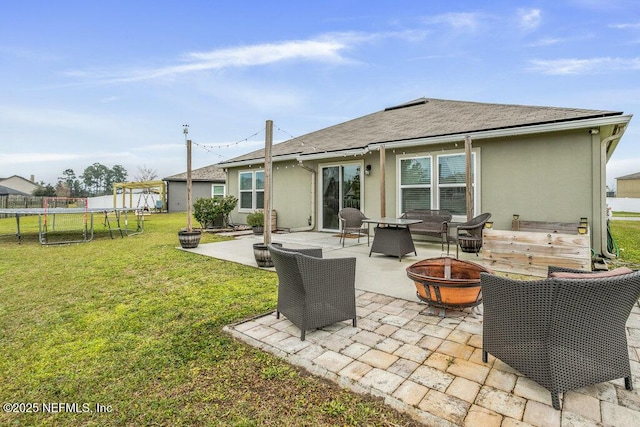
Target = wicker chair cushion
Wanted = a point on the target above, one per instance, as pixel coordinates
(615, 272)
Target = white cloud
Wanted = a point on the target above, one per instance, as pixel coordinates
(54, 118)
(13, 158)
(584, 66)
(624, 26)
(530, 19)
(326, 49)
(461, 20)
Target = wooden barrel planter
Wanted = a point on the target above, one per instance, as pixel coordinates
(262, 255)
(447, 283)
(189, 239)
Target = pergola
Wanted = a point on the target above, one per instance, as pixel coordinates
(159, 186)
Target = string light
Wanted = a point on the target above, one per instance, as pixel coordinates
(212, 148)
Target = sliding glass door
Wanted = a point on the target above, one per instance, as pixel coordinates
(340, 188)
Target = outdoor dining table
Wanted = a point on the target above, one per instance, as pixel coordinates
(392, 236)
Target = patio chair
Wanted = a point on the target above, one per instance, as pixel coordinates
(350, 222)
(469, 234)
(312, 291)
(562, 332)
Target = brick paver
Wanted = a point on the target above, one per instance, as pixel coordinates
(434, 366)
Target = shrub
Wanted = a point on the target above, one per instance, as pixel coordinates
(256, 219)
(207, 209)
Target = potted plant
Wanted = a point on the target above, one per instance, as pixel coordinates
(256, 221)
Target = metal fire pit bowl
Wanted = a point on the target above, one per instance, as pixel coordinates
(447, 283)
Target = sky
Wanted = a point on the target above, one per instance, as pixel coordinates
(114, 82)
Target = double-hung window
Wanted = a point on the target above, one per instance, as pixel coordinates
(435, 182)
(452, 182)
(251, 190)
(415, 183)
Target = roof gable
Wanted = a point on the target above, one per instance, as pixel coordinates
(423, 118)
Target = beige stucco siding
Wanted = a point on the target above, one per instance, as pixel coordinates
(548, 177)
(292, 194)
(539, 178)
(628, 188)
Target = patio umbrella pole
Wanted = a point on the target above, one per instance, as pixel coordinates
(268, 142)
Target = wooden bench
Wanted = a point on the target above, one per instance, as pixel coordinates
(435, 223)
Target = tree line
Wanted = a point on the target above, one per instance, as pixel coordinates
(96, 180)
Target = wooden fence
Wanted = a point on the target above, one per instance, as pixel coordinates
(14, 201)
(534, 246)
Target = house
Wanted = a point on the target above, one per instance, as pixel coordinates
(543, 163)
(628, 186)
(209, 181)
(19, 184)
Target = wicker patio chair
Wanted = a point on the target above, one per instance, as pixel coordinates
(562, 333)
(469, 234)
(350, 222)
(312, 291)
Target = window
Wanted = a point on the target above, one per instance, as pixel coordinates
(415, 183)
(217, 191)
(251, 190)
(452, 183)
(425, 183)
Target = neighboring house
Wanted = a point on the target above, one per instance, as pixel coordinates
(20, 184)
(544, 163)
(628, 186)
(6, 191)
(209, 181)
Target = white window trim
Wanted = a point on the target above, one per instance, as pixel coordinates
(224, 189)
(435, 184)
(253, 190)
(399, 180)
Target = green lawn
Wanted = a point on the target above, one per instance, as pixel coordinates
(135, 325)
(627, 237)
(627, 214)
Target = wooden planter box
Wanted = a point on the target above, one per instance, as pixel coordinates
(534, 245)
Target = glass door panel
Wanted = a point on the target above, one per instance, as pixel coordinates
(330, 197)
(340, 189)
(351, 186)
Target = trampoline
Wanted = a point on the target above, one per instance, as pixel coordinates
(75, 222)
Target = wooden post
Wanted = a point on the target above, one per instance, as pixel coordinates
(268, 142)
(189, 186)
(469, 181)
(383, 197)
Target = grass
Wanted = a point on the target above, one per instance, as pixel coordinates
(135, 325)
(626, 214)
(627, 237)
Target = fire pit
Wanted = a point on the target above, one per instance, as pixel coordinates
(447, 283)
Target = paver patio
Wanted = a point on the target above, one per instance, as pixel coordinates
(427, 366)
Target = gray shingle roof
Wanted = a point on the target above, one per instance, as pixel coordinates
(632, 176)
(423, 118)
(208, 173)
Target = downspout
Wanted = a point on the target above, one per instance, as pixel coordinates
(312, 217)
(617, 134)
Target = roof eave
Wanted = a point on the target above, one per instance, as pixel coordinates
(506, 132)
(443, 139)
(257, 161)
